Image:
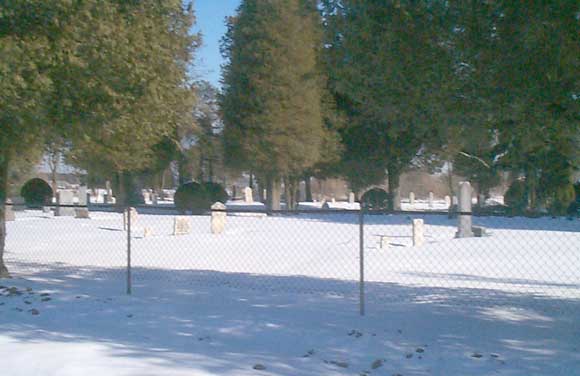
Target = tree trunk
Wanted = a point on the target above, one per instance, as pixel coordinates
(450, 178)
(53, 170)
(273, 193)
(394, 176)
(308, 188)
(3, 195)
(182, 169)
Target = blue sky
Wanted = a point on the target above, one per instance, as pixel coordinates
(210, 22)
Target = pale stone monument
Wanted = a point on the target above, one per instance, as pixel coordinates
(351, 198)
(9, 212)
(109, 195)
(418, 233)
(82, 212)
(464, 224)
(248, 197)
(147, 232)
(218, 218)
(447, 201)
(133, 213)
(181, 225)
(455, 201)
(431, 199)
(146, 197)
(384, 241)
(64, 197)
(412, 198)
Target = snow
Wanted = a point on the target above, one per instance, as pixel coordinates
(282, 292)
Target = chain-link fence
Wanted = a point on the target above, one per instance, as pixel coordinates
(375, 257)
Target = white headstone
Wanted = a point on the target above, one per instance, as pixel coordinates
(384, 242)
(418, 233)
(64, 197)
(147, 232)
(218, 218)
(109, 195)
(133, 213)
(248, 198)
(431, 199)
(82, 195)
(146, 197)
(351, 199)
(464, 224)
(181, 225)
(447, 201)
(9, 212)
(412, 198)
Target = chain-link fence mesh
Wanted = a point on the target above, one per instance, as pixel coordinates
(515, 261)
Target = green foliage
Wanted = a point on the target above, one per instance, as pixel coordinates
(195, 196)
(563, 198)
(387, 68)
(375, 198)
(272, 92)
(36, 192)
(516, 197)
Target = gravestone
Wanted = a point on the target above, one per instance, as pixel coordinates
(464, 223)
(418, 233)
(9, 212)
(181, 225)
(146, 197)
(134, 215)
(479, 232)
(147, 232)
(447, 201)
(64, 197)
(351, 198)
(248, 198)
(454, 200)
(18, 204)
(82, 213)
(431, 199)
(412, 198)
(109, 194)
(384, 242)
(218, 218)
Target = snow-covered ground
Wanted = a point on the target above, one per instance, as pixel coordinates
(281, 292)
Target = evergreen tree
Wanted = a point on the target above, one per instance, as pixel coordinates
(272, 91)
(387, 64)
(108, 76)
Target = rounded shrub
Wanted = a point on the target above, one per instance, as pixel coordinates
(36, 192)
(196, 196)
(375, 198)
(516, 197)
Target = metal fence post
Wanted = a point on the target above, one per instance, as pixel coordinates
(129, 287)
(361, 261)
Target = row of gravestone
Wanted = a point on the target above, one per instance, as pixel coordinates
(181, 224)
(65, 205)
